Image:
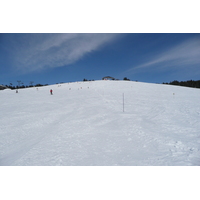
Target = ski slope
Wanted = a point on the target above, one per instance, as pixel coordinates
(83, 124)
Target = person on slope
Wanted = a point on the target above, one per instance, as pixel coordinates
(51, 91)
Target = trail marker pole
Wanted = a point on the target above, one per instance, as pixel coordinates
(123, 102)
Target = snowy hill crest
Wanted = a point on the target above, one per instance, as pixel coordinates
(83, 123)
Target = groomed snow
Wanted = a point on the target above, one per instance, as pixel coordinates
(83, 124)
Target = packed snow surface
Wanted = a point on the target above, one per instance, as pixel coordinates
(100, 123)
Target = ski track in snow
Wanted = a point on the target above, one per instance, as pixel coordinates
(83, 123)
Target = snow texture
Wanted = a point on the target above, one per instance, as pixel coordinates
(83, 124)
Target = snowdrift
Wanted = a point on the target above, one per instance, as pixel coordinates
(100, 123)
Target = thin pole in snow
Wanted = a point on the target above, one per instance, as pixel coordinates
(123, 102)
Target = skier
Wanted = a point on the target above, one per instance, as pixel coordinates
(51, 91)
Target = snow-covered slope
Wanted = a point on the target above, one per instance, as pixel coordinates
(83, 123)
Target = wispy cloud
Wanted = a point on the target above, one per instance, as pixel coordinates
(182, 55)
(33, 52)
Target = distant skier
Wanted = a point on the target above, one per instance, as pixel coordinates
(51, 91)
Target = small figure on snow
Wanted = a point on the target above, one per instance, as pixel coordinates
(51, 91)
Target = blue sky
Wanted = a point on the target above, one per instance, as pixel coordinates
(53, 58)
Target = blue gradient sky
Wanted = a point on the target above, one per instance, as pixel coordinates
(54, 58)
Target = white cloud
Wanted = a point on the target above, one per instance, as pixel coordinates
(182, 55)
(39, 51)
